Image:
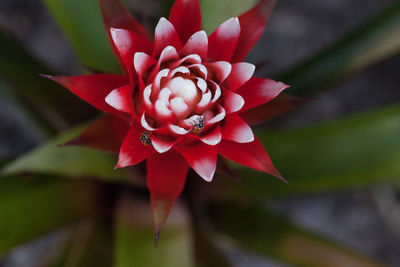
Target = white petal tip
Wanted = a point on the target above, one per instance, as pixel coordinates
(208, 178)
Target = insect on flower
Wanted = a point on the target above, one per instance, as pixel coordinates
(198, 126)
(182, 100)
(145, 138)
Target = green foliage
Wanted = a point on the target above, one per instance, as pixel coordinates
(47, 103)
(89, 243)
(270, 235)
(350, 152)
(32, 206)
(216, 12)
(376, 40)
(75, 162)
(82, 23)
(134, 237)
(346, 153)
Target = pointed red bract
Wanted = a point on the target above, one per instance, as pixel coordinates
(259, 91)
(165, 35)
(166, 177)
(106, 133)
(186, 17)
(162, 144)
(93, 88)
(202, 158)
(219, 70)
(252, 155)
(212, 137)
(240, 74)
(133, 151)
(223, 41)
(253, 24)
(115, 15)
(121, 99)
(142, 63)
(197, 44)
(235, 129)
(127, 43)
(232, 102)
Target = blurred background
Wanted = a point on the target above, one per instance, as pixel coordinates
(364, 218)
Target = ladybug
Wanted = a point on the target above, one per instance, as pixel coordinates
(145, 138)
(198, 126)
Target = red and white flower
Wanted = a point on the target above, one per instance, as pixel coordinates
(182, 99)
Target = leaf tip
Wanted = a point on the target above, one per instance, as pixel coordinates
(156, 238)
(46, 76)
(280, 177)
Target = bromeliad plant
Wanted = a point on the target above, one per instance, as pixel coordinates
(183, 99)
(180, 100)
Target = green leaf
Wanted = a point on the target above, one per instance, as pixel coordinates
(82, 23)
(134, 237)
(350, 152)
(376, 40)
(216, 12)
(33, 206)
(73, 162)
(275, 237)
(48, 103)
(89, 243)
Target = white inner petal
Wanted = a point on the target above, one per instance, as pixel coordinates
(178, 130)
(205, 100)
(183, 88)
(202, 84)
(162, 109)
(179, 107)
(164, 95)
(146, 95)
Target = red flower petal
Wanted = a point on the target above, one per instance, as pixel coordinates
(161, 144)
(197, 44)
(219, 71)
(106, 133)
(213, 137)
(202, 158)
(236, 130)
(232, 101)
(166, 177)
(240, 74)
(121, 99)
(223, 41)
(93, 88)
(186, 17)
(127, 44)
(280, 104)
(133, 151)
(253, 24)
(168, 54)
(165, 35)
(251, 155)
(259, 91)
(115, 15)
(142, 63)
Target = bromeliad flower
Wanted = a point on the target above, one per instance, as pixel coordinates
(181, 100)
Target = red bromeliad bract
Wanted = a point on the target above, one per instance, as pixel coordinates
(181, 100)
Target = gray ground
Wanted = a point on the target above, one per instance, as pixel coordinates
(366, 220)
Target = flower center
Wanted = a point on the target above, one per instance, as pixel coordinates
(184, 88)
